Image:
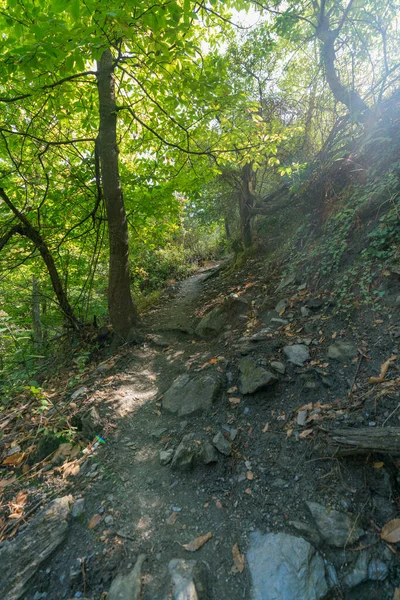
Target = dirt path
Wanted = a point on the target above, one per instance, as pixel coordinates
(145, 507)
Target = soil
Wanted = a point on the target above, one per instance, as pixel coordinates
(274, 467)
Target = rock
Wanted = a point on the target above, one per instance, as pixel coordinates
(189, 396)
(78, 508)
(337, 529)
(315, 303)
(208, 453)
(377, 570)
(189, 580)
(342, 351)
(186, 453)
(253, 377)
(260, 336)
(301, 418)
(286, 282)
(305, 312)
(128, 587)
(235, 305)
(109, 520)
(285, 567)
(159, 432)
(212, 324)
(306, 530)
(358, 573)
(21, 557)
(166, 456)
(79, 392)
(297, 354)
(91, 423)
(279, 367)
(278, 322)
(222, 444)
(282, 304)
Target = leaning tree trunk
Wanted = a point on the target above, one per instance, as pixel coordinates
(34, 235)
(122, 311)
(350, 98)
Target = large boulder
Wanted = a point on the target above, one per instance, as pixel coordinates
(252, 377)
(188, 396)
(284, 567)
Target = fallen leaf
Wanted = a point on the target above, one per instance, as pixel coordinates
(305, 433)
(265, 428)
(249, 475)
(198, 542)
(14, 460)
(70, 468)
(218, 504)
(396, 594)
(391, 531)
(234, 400)
(289, 433)
(172, 518)
(248, 491)
(383, 371)
(232, 390)
(238, 559)
(378, 464)
(6, 482)
(94, 521)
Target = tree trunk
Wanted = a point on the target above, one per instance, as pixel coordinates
(36, 321)
(365, 440)
(350, 98)
(122, 311)
(28, 230)
(246, 203)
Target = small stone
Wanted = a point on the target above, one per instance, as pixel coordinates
(279, 367)
(186, 453)
(289, 280)
(189, 579)
(358, 573)
(166, 456)
(222, 444)
(109, 520)
(377, 570)
(297, 354)
(338, 529)
(283, 304)
(78, 508)
(342, 351)
(301, 418)
(208, 453)
(189, 396)
(253, 377)
(159, 432)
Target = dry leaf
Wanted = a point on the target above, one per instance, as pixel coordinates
(232, 390)
(384, 370)
(249, 475)
(248, 491)
(234, 400)
(305, 433)
(94, 521)
(6, 482)
(238, 559)
(172, 518)
(265, 428)
(14, 460)
(197, 542)
(378, 464)
(218, 504)
(289, 433)
(391, 531)
(70, 468)
(396, 594)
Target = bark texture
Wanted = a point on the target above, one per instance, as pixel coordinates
(122, 311)
(366, 440)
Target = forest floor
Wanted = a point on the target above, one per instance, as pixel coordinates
(274, 452)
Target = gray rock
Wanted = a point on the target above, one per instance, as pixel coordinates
(305, 312)
(377, 570)
(279, 367)
(212, 324)
(337, 529)
(358, 573)
(166, 456)
(109, 520)
(78, 508)
(282, 304)
(189, 580)
(267, 316)
(128, 587)
(159, 432)
(284, 567)
(252, 377)
(208, 453)
(297, 354)
(301, 418)
(342, 351)
(91, 423)
(286, 282)
(306, 530)
(235, 304)
(278, 322)
(188, 396)
(186, 453)
(222, 444)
